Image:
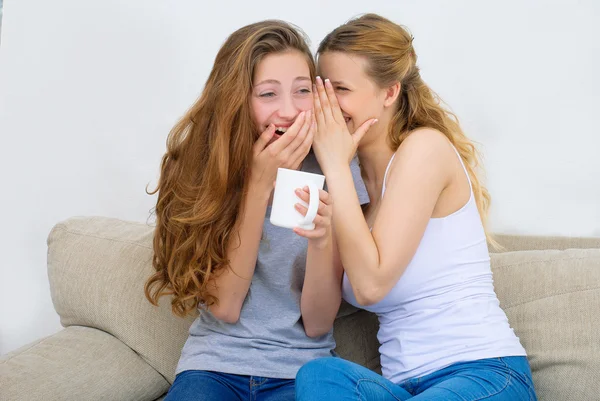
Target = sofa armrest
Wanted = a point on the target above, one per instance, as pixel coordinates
(78, 363)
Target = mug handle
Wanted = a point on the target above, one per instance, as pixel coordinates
(313, 204)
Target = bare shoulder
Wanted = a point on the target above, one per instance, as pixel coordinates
(425, 153)
(425, 146)
(425, 141)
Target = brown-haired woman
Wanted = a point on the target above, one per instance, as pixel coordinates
(267, 296)
(417, 257)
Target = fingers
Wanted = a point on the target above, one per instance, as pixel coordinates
(304, 194)
(324, 203)
(317, 107)
(301, 136)
(335, 106)
(362, 130)
(300, 153)
(324, 100)
(263, 139)
(311, 234)
(280, 144)
(322, 220)
(319, 221)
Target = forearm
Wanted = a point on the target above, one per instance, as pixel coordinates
(232, 284)
(321, 293)
(358, 250)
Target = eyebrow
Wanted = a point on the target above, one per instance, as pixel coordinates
(274, 81)
(339, 83)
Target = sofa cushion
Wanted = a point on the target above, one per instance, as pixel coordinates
(356, 337)
(552, 299)
(97, 268)
(78, 363)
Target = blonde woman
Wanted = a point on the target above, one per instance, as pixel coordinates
(417, 254)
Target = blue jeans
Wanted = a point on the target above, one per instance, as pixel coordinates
(495, 379)
(201, 385)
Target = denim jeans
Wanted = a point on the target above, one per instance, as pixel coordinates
(495, 379)
(200, 385)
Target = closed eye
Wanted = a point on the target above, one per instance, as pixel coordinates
(304, 91)
(267, 94)
(341, 88)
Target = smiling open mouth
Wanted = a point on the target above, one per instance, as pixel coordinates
(280, 130)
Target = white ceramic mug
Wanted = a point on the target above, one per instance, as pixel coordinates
(283, 211)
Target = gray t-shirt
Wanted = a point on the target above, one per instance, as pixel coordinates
(269, 338)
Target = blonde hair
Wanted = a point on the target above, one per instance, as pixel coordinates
(391, 58)
(203, 175)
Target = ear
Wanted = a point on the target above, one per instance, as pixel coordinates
(391, 94)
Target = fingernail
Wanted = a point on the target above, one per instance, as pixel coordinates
(374, 121)
(319, 79)
(327, 82)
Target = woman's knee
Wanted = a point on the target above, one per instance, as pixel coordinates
(317, 369)
(314, 369)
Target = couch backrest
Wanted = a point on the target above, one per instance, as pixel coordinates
(98, 266)
(552, 300)
(529, 243)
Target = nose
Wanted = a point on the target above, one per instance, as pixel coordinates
(288, 108)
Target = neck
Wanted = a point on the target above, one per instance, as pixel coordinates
(374, 157)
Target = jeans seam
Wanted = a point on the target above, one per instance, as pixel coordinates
(375, 382)
(526, 379)
(508, 380)
(256, 383)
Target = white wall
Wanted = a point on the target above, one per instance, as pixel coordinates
(89, 90)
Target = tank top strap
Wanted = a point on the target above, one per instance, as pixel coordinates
(387, 169)
(463, 166)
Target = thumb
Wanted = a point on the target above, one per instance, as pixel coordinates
(264, 138)
(362, 130)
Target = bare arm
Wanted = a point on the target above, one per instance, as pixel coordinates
(321, 293)
(231, 286)
(373, 260)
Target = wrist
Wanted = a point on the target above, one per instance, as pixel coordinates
(322, 243)
(259, 184)
(259, 190)
(335, 171)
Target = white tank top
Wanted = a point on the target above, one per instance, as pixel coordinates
(443, 309)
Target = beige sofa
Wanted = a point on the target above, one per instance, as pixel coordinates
(116, 346)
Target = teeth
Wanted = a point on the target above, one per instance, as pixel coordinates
(282, 129)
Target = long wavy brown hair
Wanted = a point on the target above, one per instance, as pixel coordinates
(391, 58)
(203, 176)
